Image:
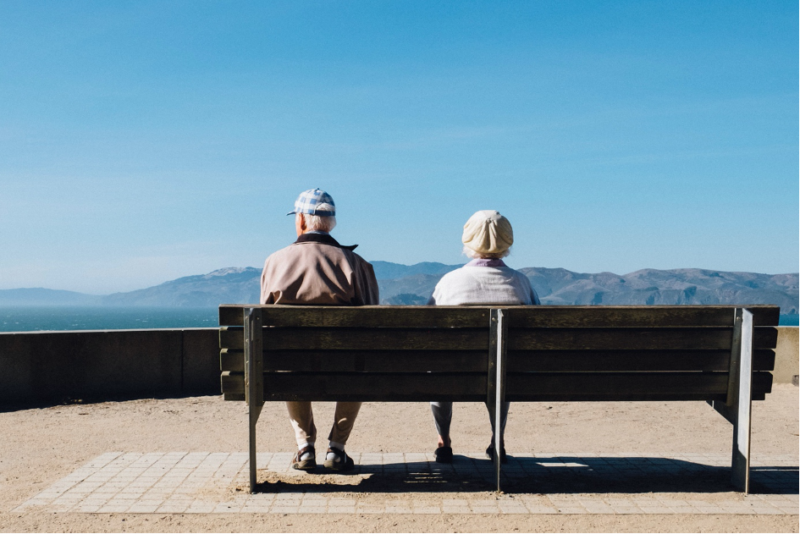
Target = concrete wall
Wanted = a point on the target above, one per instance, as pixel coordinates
(45, 366)
(786, 356)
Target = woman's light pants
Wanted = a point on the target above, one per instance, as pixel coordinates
(443, 414)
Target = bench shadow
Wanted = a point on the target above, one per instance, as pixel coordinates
(561, 474)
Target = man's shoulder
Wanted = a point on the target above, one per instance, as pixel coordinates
(357, 257)
(285, 251)
(309, 249)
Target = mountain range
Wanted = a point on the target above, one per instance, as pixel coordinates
(413, 284)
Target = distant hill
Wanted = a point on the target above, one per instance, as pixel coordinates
(675, 286)
(385, 270)
(39, 296)
(237, 284)
(413, 284)
(230, 285)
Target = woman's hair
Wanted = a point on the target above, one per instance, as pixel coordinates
(318, 222)
(468, 252)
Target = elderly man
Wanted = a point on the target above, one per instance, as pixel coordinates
(317, 270)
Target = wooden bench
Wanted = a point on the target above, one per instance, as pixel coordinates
(718, 354)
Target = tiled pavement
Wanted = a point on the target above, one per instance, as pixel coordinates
(201, 482)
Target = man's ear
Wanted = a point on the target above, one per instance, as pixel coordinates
(300, 224)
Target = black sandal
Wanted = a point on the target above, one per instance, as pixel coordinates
(304, 465)
(490, 454)
(341, 461)
(444, 455)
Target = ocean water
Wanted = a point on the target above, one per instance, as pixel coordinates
(789, 320)
(31, 319)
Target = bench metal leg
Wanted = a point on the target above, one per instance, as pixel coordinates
(737, 408)
(255, 411)
(253, 379)
(740, 463)
(496, 394)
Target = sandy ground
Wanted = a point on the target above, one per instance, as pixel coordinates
(39, 446)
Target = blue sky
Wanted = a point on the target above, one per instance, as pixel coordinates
(144, 141)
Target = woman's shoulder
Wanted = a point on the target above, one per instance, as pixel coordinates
(510, 271)
(454, 275)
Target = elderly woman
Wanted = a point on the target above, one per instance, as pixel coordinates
(487, 280)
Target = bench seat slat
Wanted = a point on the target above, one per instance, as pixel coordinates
(362, 316)
(477, 339)
(232, 383)
(519, 317)
(396, 361)
(538, 387)
(676, 386)
(375, 339)
(633, 338)
(363, 339)
(375, 387)
(231, 360)
(362, 361)
(629, 316)
(622, 360)
(765, 337)
(475, 361)
(371, 386)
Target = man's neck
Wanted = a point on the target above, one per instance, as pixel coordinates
(322, 237)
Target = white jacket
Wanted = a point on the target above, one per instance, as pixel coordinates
(484, 282)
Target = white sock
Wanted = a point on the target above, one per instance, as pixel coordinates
(307, 455)
(334, 445)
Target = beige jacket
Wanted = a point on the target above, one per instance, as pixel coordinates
(318, 270)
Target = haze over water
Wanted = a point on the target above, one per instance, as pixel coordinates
(42, 318)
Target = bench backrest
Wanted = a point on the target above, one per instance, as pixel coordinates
(551, 353)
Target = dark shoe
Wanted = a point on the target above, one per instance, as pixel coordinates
(304, 465)
(340, 462)
(444, 455)
(490, 454)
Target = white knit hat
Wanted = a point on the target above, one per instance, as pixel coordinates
(488, 232)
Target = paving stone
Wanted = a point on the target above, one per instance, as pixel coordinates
(456, 509)
(114, 509)
(86, 508)
(427, 510)
(393, 509)
(683, 509)
(370, 509)
(288, 497)
(771, 511)
(201, 507)
(342, 510)
(171, 482)
(227, 508)
(313, 510)
(513, 508)
(341, 502)
(627, 510)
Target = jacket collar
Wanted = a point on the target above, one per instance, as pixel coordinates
(486, 262)
(325, 239)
